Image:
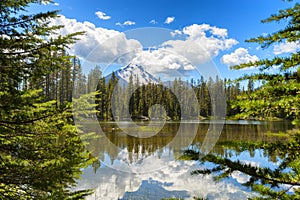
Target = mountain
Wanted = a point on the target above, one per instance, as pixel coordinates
(137, 72)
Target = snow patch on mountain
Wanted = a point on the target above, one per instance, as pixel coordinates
(137, 72)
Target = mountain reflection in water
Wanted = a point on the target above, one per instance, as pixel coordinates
(148, 168)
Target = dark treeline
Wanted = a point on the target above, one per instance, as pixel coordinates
(69, 81)
(60, 83)
(176, 97)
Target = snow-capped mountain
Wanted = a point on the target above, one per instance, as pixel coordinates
(137, 72)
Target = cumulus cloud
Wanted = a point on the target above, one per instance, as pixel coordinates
(169, 20)
(198, 44)
(126, 23)
(102, 15)
(286, 47)
(98, 44)
(153, 21)
(176, 32)
(170, 178)
(239, 56)
(162, 61)
(202, 43)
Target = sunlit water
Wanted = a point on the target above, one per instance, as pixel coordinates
(149, 168)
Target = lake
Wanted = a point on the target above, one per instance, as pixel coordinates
(142, 161)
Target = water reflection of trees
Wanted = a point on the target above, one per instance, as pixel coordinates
(250, 133)
(276, 179)
(112, 140)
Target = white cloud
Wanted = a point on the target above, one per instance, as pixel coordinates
(119, 24)
(240, 177)
(153, 21)
(52, 3)
(170, 177)
(126, 23)
(198, 45)
(202, 43)
(102, 15)
(45, 3)
(98, 44)
(176, 32)
(169, 20)
(219, 31)
(286, 47)
(162, 61)
(129, 23)
(239, 56)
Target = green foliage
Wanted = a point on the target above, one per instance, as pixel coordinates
(176, 97)
(41, 154)
(279, 95)
(268, 182)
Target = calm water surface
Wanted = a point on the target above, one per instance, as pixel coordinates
(142, 167)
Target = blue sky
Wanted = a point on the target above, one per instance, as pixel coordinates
(240, 19)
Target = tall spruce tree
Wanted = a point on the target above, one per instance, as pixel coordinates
(40, 152)
(278, 96)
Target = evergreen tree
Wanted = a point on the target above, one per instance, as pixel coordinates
(79, 80)
(279, 95)
(40, 151)
(109, 89)
(129, 102)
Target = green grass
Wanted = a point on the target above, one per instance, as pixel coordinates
(143, 129)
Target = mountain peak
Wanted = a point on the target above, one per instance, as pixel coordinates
(132, 66)
(137, 72)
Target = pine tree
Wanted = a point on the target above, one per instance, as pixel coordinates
(79, 79)
(279, 96)
(40, 151)
(103, 98)
(129, 97)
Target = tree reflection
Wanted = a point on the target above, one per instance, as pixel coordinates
(279, 180)
(112, 141)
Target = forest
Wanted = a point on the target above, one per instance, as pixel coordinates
(61, 85)
(70, 82)
(42, 155)
(64, 84)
